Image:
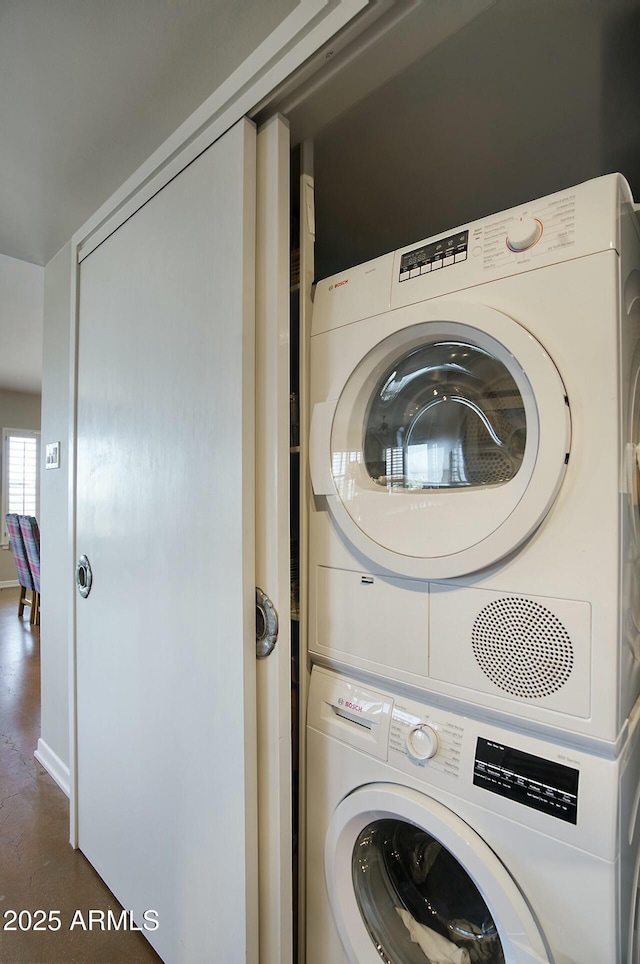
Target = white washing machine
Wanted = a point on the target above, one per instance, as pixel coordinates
(433, 837)
(475, 419)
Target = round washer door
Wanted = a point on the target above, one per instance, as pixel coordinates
(409, 882)
(447, 444)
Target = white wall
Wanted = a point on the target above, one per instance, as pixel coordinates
(55, 575)
(17, 410)
(21, 286)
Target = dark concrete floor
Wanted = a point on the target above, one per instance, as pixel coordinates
(39, 870)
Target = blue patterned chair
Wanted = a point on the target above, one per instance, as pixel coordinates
(22, 563)
(31, 534)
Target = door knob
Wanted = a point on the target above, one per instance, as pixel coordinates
(266, 625)
(84, 576)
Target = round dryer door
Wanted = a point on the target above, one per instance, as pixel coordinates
(633, 451)
(446, 445)
(631, 585)
(410, 882)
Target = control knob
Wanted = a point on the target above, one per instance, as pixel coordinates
(523, 234)
(422, 742)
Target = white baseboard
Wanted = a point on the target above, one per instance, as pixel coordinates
(9, 584)
(54, 766)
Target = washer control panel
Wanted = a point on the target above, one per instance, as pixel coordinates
(430, 743)
(422, 742)
(422, 738)
(534, 781)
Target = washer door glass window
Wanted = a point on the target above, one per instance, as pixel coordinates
(446, 415)
(410, 882)
(417, 901)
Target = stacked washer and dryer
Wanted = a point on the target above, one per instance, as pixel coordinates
(473, 749)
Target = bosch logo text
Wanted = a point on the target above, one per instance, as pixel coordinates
(353, 706)
(339, 284)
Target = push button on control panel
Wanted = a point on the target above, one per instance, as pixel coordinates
(431, 257)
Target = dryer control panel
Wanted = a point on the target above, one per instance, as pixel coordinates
(431, 257)
(569, 224)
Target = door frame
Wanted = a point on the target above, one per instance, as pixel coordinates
(272, 550)
(311, 24)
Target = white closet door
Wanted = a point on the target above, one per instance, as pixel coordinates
(166, 691)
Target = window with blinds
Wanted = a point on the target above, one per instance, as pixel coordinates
(20, 474)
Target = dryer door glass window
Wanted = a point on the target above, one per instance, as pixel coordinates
(417, 901)
(445, 415)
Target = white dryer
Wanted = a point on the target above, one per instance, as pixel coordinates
(434, 837)
(475, 419)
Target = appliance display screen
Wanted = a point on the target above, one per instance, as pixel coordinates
(531, 780)
(430, 257)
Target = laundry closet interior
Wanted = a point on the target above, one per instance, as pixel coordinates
(469, 129)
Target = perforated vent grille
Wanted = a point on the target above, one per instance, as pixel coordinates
(522, 647)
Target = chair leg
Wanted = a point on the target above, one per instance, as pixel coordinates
(35, 608)
(21, 601)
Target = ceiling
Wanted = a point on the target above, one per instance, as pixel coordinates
(90, 88)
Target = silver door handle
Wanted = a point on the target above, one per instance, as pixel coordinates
(266, 625)
(84, 576)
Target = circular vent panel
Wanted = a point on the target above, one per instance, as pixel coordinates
(522, 647)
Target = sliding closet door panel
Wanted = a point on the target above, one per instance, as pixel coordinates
(166, 728)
